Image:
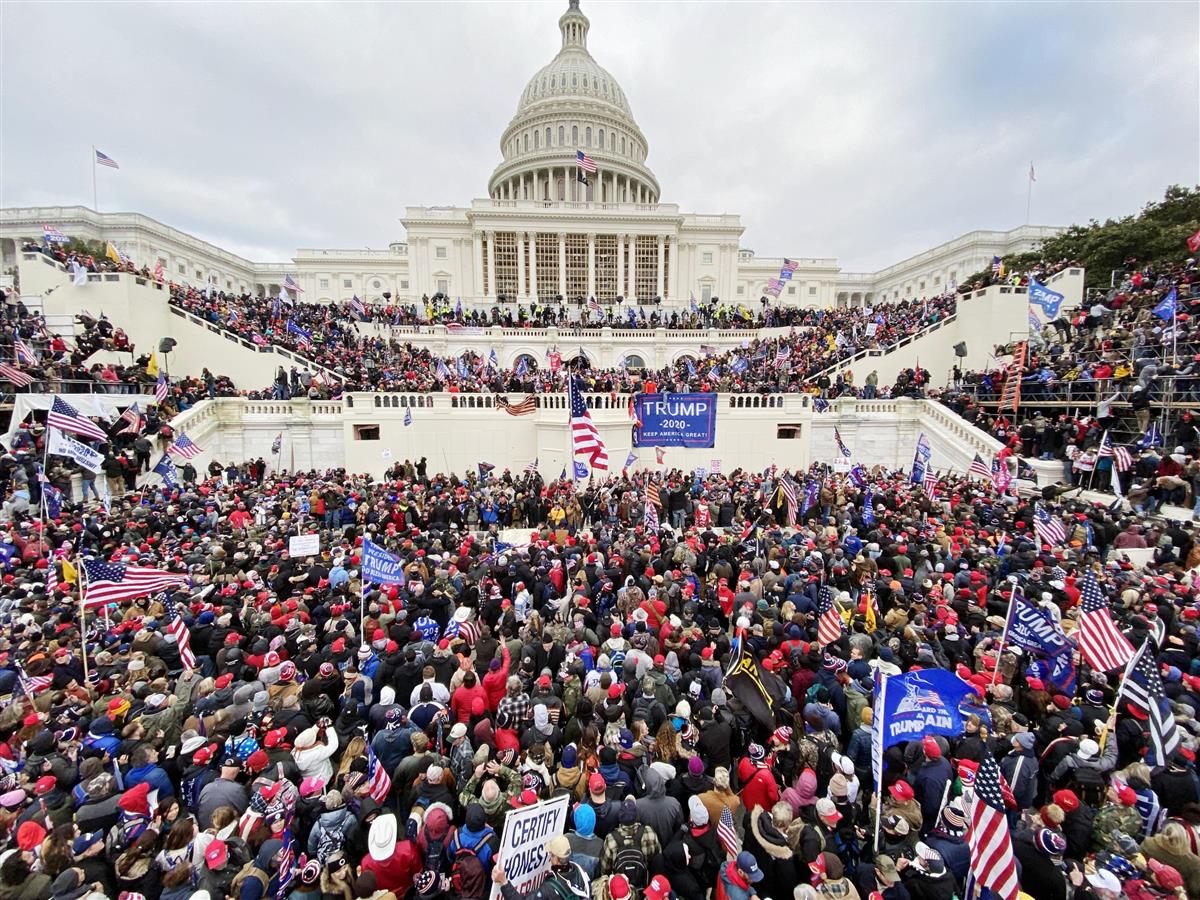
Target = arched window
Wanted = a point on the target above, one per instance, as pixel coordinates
(622, 145)
(527, 142)
(537, 137)
(600, 135)
(612, 141)
(561, 135)
(575, 135)
(587, 136)
(553, 81)
(547, 138)
(530, 362)
(633, 361)
(574, 82)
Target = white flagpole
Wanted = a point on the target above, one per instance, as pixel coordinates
(1029, 193)
(1016, 592)
(95, 202)
(81, 577)
(881, 706)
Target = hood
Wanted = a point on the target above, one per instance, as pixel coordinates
(437, 823)
(267, 852)
(655, 785)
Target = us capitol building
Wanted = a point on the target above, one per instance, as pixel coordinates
(543, 232)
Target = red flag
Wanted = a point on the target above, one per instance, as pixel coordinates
(1194, 242)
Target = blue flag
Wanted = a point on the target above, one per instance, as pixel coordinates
(858, 475)
(522, 368)
(563, 476)
(7, 552)
(581, 470)
(302, 336)
(493, 360)
(408, 416)
(691, 367)
(485, 468)
(1168, 306)
(1036, 631)
(928, 701)
(1042, 296)
(166, 470)
(630, 460)
(868, 510)
(739, 365)
(1152, 438)
(379, 566)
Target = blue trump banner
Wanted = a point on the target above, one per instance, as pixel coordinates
(676, 420)
(379, 566)
(1036, 631)
(1045, 299)
(928, 701)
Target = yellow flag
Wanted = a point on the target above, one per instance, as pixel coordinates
(152, 365)
(111, 252)
(69, 573)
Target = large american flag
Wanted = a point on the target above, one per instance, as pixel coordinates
(104, 159)
(841, 445)
(726, 833)
(1049, 528)
(15, 375)
(1122, 460)
(289, 283)
(185, 447)
(988, 838)
(789, 266)
(585, 438)
(979, 467)
(524, 407)
(829, 620)
(183, 640)
(133, 417)
(1144, 688)
(1100, 642)
(652, 494)
(287, 864)
(66, 418)
(584, 161)
(160, 389)
(379, 783)
(113, 582)
(789, 495)
(32, 685)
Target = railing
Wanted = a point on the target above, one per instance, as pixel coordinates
(79, 386)
(885, 350)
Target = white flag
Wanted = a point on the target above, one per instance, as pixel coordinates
(80, 274)
(62, 444)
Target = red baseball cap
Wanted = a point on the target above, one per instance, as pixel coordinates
(658, 888)
(902, 791)
(215, 854)
(597, 784)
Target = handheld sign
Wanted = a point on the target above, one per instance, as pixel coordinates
(522, 846)
(304, 545)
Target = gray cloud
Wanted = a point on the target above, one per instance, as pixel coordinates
(864, 131)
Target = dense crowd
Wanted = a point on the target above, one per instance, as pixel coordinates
(585, 659)
(368, 358)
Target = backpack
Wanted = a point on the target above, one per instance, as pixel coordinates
(467, 874)
(329, 843)
(630, 861)
(249, 870)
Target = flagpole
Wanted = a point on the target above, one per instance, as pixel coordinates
(1092, 474)
(1120, 691)
(81, 577)
(1029, 193)
(95, 202)
(1004, 635)
(881, 705)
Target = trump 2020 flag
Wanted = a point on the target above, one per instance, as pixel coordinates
(1045, 299)
(927, 701)
(379, 566)
(581, 470)
(1168, 306)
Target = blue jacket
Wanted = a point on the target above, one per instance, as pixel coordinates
(929, 785)
(955, 852)
(154, 776)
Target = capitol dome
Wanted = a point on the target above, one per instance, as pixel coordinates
(569, 105)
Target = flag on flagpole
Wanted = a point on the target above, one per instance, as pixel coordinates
(160, 389)
(103, 159)
(184, 446)
(727, 834)
(24, 353)
(841, 445)
(183, 641)
(289, 283)
(629, 460)
(166, 470)
(66, 418)
(1048, 528)
(532, 467)
(979, 467)
(408, 417)
(113, 582)
(584, 161)
(14, 375)
(1143, 687)
(277, 444)
(829, 620)
(52, 235)
(585, 437)
(1100, 641)
(379, 783)
(993, 865)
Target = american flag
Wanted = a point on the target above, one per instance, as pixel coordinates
(1000, 474)
(774, 286)
(789, 495)
(66, 418)
(584, 161)
(113, 582)
(15, 375)
(652, 494)
(593, 305)
(33, 685)
(379, 783)
(1143, 686)
(24, 352)
(585, 438)
(1049, 528)
(931, 482)
(184, 446)
(841, 445)
(277, 444)
(992, 863)
(997, 265)
(289, 283)
(726, 833)
(829, 620)
(783, 353)
(1100, 642)
(979, 467)
(133, 417)
(660, 454)
(104, 159)
(521, 408)
(52, 235)
(358, 307)
(789, 266)
(651, 517)
(160, 389)
(532, 467)
(183, 640)
(1122, 459)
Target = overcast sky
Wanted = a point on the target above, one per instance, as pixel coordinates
(863, 131)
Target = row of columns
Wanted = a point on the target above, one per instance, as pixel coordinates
(543, 183)
(625, 287)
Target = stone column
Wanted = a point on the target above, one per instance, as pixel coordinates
(672, 258)
(632, 295)
(491, 267)
(658, 287)
(562, 264)
(478, 273)
(620, 262)
(533, 287)
(520, 265)
(591, 281)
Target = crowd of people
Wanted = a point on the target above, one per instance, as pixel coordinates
(271, 726)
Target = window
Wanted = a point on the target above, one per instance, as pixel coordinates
(706, 293)
(182, 270)
(600, 136)
(443, 285)
(366, 432)
(526, 144)
(575, 135)
(741, 289)
(922, 285)
(706, 258)
(530, 362)
(324, 284)
(788, 432)
(199, 274)
(561, 135)
(953, 277)
(375, 284)
(404, 285)
(937, 279)
(439, 252)
(812, 291)
(792, 289)
(622, 145)
(537, 138)
(547, 137)
(612, 142)
(587, 136)
(633, 361)
(347, 282)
